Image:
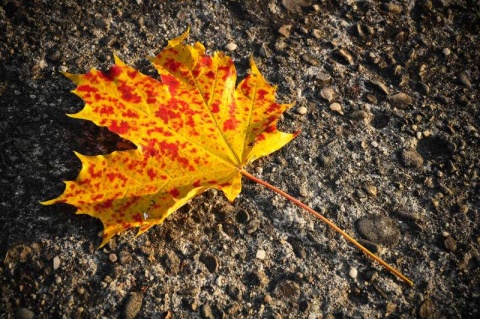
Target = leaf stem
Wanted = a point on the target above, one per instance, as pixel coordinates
(330, 224)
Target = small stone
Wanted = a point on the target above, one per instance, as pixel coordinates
(310, 58)
(81, 290)
(259, 170)
(56, 263)
(70, 300)
(446, 52)
(317, 34)
(371, 190)
(231, 46)
(424, 88)
(242, 216)
(235, 292)
(265, 51)
(450, 244)
(53, 55)
(303, 306)
(359, 115)
(261, 254)
(170, 261)
(380, 86)
(285, 30)
(390, 308)
(360, 30)
(206, 312)
(464, 78)
(371, 98)
(166, 315)
(426, 4)
(100, 23)
(287, 290)
(427, 310)
(24, 313)
(211, 262)
(252, 226)
(345, 56)
(392, 7)
(133, 305)
(267, 299)
(327, 93)
(426, 133)
(302, 110)
(258, 278)
(450, 166)
(324, 77)
(58, 280)
(293, 6)
(379, 229)
(360, 194)
(336, 107)
(125, 257)
(411, 158)
(107, 41)
(353, 273)
(401, 100)
(112, 257)
(462, 209)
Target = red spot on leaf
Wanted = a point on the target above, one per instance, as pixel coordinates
(132, 74)
(104, 205)
(106, 110)
(230, 124)
(261, 94)
(172, 83)
(172, 65)
(210, 75)
(151, 173)
(86, 88)
(206, 61)
(130, 114)
(111, 176)
(174, 192)
(91, 171)
(215, 107)
(121, 128)
(97, 197)
(273, 107)
(128, 94)
(113, 72)
(137, 217)
(270, 129)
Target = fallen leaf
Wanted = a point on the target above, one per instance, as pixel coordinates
(193, 131)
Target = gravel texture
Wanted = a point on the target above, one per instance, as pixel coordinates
(400, 148)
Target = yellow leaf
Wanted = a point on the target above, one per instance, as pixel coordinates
(193, 131)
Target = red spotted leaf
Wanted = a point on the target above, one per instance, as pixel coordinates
(193, 131)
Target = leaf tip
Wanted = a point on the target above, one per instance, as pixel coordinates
(178, 40)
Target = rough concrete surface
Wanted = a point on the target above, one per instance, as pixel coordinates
(387, 98)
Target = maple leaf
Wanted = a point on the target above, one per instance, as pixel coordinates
(193, 131)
